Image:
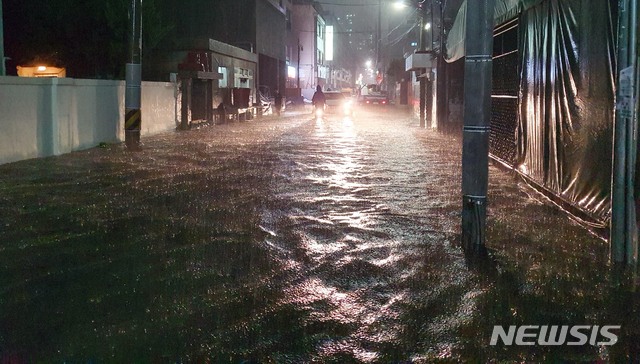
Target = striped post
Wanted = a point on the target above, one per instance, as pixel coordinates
(133, 94)
(477, 121)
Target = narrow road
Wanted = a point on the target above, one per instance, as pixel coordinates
(288, 241)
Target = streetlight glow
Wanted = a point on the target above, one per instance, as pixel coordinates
(329, 43)
(399, 5)
(427, 26)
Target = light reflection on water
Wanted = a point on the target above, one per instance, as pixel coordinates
(392, 223)
(287, 241)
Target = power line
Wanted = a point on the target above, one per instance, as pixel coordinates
(334, 4)
(398, 39)
(415, 11)
(345, 32)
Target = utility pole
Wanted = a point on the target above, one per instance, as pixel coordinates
(624, 230)
(379, 36)
(422, 47)
(477, 118)
(3, 70)
(440, 85)
(133, 91)
(298, 72)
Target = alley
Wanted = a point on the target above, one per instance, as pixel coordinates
(288, 240)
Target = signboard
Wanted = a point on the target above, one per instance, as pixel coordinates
(626, 103)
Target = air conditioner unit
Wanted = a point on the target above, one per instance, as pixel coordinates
(419, 60)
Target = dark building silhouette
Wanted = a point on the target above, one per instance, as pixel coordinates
(257, 26)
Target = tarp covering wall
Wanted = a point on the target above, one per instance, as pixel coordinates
(567, 50)
(503, 11)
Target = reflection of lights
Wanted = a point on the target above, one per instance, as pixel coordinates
(329, 43)
(368, 63)
(399, 5)
(41, 71)
(427, 26)
(291, 72)
(347, 107)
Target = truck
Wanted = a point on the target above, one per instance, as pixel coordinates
(372, 95)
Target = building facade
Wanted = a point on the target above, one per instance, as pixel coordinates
(256, 26)
(305, 26)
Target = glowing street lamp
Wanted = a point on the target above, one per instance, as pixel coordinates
(399, 5)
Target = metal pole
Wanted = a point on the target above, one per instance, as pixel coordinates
(432, 82)
(3, 70)
(422, 47)
(298, 74)
(442, 75)
(133, 93)
(632, 131)
(379, 35)
(423, 102)
(624, 232)
(432, 24)
(477, 118)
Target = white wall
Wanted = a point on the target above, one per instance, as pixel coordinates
(159, 112)
(304, 23)
(41, 117)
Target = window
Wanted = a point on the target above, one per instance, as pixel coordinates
(334, 96)
(223, 83)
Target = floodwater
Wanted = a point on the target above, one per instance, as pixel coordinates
(290, 240)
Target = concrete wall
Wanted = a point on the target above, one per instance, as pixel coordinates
(41, 117)
(271, 30)
(304, 23)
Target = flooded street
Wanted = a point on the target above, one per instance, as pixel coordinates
(289, 240)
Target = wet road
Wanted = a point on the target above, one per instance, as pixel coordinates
(288, 241)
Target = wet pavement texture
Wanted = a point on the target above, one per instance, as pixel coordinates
(289, 240)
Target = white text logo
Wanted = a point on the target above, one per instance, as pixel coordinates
(555, 335)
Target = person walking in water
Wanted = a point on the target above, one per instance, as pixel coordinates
(318, 99)
(278, 102)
